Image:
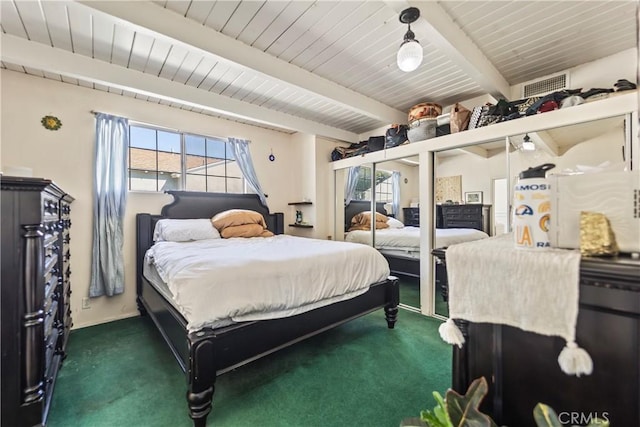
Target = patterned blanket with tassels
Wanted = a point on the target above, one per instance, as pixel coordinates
(492, 281)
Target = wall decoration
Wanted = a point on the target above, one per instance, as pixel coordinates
(473, 197)
(51, 122)
(448, 188)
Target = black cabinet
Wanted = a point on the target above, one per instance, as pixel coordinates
(35, 286)
(411, 216)
(522, 369)
(467, 216)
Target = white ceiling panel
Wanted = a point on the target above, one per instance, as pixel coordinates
(323, 65)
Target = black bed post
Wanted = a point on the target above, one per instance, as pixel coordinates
(144, 241)
(202, 377)
(393, 298)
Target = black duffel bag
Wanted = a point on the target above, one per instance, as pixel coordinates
(396, 135)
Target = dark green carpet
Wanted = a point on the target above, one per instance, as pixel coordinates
(410, 295)
(410, 291)
(359, 374)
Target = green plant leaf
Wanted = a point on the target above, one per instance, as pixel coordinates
(438, 417)
(545, 416)
(463, 410)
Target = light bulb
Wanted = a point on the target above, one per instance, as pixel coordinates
(409, 55)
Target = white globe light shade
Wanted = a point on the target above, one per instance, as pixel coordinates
(409, 56)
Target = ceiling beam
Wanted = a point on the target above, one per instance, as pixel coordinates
(545, 141)
(436, 26)
(476, 151)
(168, 24)
(43, 57)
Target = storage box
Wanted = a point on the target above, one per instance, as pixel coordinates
(614, 194)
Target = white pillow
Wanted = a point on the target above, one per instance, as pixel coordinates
(394, 223)
(184, 230)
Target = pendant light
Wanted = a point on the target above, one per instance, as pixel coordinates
(409, 55)
(527, 144)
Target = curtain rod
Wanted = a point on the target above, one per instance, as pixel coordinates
(94, 112)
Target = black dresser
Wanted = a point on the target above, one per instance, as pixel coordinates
(36, 316)
(411, 216)
(467, 216)
(522, 369)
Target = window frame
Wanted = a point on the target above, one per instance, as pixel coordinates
(182, 185)
(368, 178)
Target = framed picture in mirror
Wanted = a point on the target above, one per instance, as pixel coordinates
(473, 197)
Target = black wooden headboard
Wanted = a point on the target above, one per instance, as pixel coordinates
(357, 206)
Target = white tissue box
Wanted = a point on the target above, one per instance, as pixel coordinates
(614, 194)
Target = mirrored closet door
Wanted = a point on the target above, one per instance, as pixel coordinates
(397, 196)
(469, 183)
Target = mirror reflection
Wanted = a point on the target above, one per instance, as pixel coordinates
(394, 187)
(471, 197)
(587, 147)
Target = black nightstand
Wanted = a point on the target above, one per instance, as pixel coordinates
(411, 216)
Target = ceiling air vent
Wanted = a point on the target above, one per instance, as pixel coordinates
(544, 86)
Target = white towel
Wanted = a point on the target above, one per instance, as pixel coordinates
(535, 290)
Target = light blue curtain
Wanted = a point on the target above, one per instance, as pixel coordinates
(240, 150)
(350, 184)
(110, 197)
(395, 188)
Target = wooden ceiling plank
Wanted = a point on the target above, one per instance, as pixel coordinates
(260, 21)
(102, 38)
(33, 19)
(11, 20)
(140, 51)
(220, 14)
(157, 57)
(319, 29)
(191, 61)
(242, 16)
(199, 11)
(281, 23)
(57, 23)
(178, 6)
(41, 57)
(81, 31)
(122, 43)
(317, 12)
(168, 24)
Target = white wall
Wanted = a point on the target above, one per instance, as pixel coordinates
(66, 156)
(477, 172)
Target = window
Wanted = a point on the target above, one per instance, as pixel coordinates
(162, 160)
(384, 185)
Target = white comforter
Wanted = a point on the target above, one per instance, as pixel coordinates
(408, 238)
(217, 281)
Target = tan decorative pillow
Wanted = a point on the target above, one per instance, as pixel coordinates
(362, 221)
(245, 230)
(365, 218)
(235, 217)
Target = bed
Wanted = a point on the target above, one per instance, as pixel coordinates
(401, 246)
(204, 353)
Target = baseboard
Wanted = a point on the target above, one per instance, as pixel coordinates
(121, 316)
